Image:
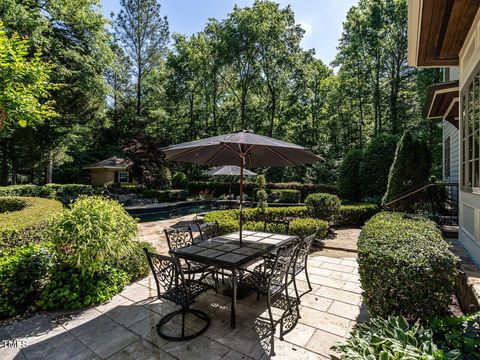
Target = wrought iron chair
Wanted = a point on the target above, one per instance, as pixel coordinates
(300, 263)
(177, 238)
(209, 230)
(274, 282)
(169, 277)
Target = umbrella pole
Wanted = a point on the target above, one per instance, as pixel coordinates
(241, 196)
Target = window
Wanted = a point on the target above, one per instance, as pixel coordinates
(446, 158)
(123, 177)
(470, 134)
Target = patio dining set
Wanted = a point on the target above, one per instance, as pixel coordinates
(265, 262)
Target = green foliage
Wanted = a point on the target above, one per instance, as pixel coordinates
(25, 83)
(284, 196)
(405, 266)
(28, 223)
(355, 214)
(134, 264)
(163, 179)
(322, 206)
(94, 232)
(391, 339)
(71, 288)
(458, 333)
(166, 195)
(299, 226)
(410, 168)
(22, 270)
(261, 181)
(375, 167)
(348, 183)
(262, 197)
(179, 180)
(27, 190)
(306, 227)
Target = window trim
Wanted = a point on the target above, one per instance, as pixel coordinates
(465, 133)
(122, 173)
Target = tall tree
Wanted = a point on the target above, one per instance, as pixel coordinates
(144, 34)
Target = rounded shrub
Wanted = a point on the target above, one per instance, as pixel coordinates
(405, 266)
(348, 183)
(94, 232)
(22, 271)
(322, 206)
(23, 220)
(179, 180)
(262, 197)
(307, 226)
(355, 214)
(291, 196)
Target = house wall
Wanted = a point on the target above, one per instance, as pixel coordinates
(101, 176)
(469, 207)
(451, 131)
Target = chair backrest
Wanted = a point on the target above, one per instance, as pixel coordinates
(276, 226)
(166, 271)
(177, 238)
(209, 230)
(304, 250)
(280, 271)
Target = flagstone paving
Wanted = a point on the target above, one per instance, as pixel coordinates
(124, 328)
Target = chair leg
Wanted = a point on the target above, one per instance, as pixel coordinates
(272, 325)
(308, 279)
(296, 293)
(183, 324)
(199, 314)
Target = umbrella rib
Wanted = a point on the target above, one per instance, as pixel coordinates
(183, 153)
(214, 156)
(280, 155)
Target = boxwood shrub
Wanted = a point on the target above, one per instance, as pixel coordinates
(22, 272)
(23, 219)
(166, 195)
(406, 268)
(291, 196)
(27, 190)
(355, 214)
(62, 192)
(322, 206)
(228, 220)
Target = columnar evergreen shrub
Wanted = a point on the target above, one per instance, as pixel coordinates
(410, 168)
(262, 197)
(348, 183)
(405, 266)
(322, 206)
(179, 180)
(375, 167)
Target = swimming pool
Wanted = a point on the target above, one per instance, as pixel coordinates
(149, 215)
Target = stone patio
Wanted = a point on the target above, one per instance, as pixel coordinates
(124, 328)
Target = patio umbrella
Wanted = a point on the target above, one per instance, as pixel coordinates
(230, 170)
(241, 148)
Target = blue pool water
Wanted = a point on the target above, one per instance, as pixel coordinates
(171, 213)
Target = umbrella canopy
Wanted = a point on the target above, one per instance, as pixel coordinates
(229, 149)
(240, 148)
(230, 170)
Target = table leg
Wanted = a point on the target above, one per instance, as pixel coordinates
(233, 307)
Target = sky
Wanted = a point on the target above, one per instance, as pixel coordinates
(321, 19)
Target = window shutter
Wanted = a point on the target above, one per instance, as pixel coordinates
(116, 177)
(130, 176)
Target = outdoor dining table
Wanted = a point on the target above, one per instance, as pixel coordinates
(226, 252)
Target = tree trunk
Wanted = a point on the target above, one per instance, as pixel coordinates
(139, 91)
(49, 170)
(4, 179)
(272, 115)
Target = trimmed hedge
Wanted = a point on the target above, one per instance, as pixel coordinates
(62, 192)
(322, 206)
(406, 268)
(27, 224)
(219, 188)
(166, 195)
(355, 214)
(228, 220)
(291, 196)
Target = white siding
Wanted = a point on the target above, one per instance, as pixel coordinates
(451, 131)
(454, 73)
